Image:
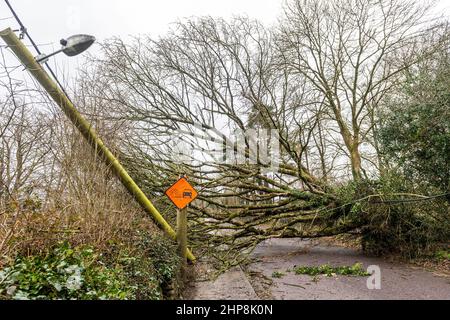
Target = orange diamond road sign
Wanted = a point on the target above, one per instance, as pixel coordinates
(181, 193)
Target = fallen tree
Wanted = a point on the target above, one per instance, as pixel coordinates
(268, 124)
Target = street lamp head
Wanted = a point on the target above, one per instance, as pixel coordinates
(71, 46)
(77, 44)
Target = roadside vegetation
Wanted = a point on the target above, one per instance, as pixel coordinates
(328, 270)
(143, 270)
(68, 229)
(325, 269)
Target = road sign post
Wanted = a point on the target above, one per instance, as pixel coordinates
(182, 193)
(182, 239)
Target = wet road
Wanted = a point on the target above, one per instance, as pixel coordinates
(398, 281)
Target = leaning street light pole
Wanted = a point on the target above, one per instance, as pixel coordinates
(36, 70)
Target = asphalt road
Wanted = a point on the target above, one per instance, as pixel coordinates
(398, 281)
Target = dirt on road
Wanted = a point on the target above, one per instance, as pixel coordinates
(280, 256)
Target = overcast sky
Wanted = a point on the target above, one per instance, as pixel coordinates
(49, 20)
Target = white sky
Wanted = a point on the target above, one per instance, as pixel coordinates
(50, 20)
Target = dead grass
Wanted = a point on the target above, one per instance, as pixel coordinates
(82, 222)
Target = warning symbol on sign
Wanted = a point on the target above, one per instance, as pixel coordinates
(181, 193)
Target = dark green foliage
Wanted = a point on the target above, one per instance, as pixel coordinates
(124, 272)
(163, 253)
(139, 273)
(389, 222)
(415, 129)
(410, 230)
(415, 142)
(63, 273)
(150, 265)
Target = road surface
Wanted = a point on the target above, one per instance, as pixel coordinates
(398, 281)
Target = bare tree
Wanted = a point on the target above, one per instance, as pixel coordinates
(22, 136)
(344, 50)
(202, 83)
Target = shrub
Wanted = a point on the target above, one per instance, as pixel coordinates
(443, 255)
(139, 274)
(63, 273)
(125, 271)
(415, 127)
(389, 224)
(163, 254)
(150, 263)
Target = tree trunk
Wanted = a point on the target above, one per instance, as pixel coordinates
(355, 158)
